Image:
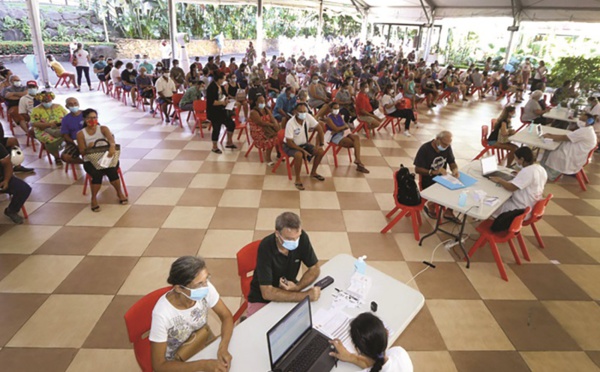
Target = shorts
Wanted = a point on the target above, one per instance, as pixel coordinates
(164, 100)
(291, 152)
(13, 112)
(451, 89)
(336, 138)
(148, 94)
(3, 141)
(127, 88)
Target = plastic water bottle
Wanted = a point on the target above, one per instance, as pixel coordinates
(462, 199)
(530, 128)
(360, 266)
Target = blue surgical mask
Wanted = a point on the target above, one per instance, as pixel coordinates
(47, 104)
(32, 92)
(74, 109)
(302, 115)
(290, 245)
(196, 294)
(261, 106)
(442, 148)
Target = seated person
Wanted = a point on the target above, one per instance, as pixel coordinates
(317, 95)
(193, 93)
(128, 81)
(115, 74)
(388, 105)
(428, 88)
(157, 72)
(593, 108)
(563, 93)
(285, 104)
(370, 338)
(505, 85)
(274, 86)
(533, 111)
(236, 92)
(431, 160)
(364, 110)
(177, 74)
(296, 143)
(451, 86)
(86, 138)
(107, 69)
(184, 310)
(26, 105)
(14, 186)
(573, 152)
(147, 65)
(12, 96)
(143, 83)
(255, 90)
(193, 76)
(527, 187)
(264, 127)
(346, 101)
(278, 263)
(337, 126)
(60, 71)
(71, 124)
(165, 88)
(46, 119)
(409, 90)
(99, 67)
(501, 131)
(519, 86)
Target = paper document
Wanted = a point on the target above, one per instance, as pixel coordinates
(105, 160)
(453, 180)
(334, 323)
(491, 200)
(230, 105)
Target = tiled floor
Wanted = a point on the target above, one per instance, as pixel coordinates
(68, 275)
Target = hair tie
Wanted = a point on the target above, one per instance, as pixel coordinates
(381, 355)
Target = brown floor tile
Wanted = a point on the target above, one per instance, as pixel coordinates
(571, 227)
(421, 334)
(558, 361)
(200, 197)
(374, 161)
(357, 201)
(173, 180)
(489, 361)
(191, 155)
(144, 216)
(315, 185)
(345, 171)
(55, 213)
(97, 275)
(145, 165)
(242, 181)
(530, 326)
(7, 227)
(133, 153)
(548, 282)
(377, 246)
(577, 207)
(398, 152)
(216, 167)
(591, 192)
(15, 310)
(382, 185)
(260, 234)
(279, 199)
(446, 281)
(36, 359)
(594, 356)
(9, 261)
(43, 192)
(224, 276)
(561, 249)
(68, 240)
(175, 243)
(579, 319)
(110, 331)
(234, 218)
(322, 220)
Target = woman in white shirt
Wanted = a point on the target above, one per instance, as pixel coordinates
(539, 78)
(370, 337)
(388, 102)
(82, 66)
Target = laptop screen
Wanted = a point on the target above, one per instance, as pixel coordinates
(488, 165)
(288, 330)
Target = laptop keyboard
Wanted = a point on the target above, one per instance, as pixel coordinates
(309, 355)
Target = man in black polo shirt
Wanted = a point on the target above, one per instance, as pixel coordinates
(278, 263)
(14, 186)
(431, 161)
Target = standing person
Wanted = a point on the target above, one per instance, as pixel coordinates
(526, 68)
(216, 100)
(250, 54)
(82, 66)
(539, 77)
(166, 53)
(219, 41)
(14, 186)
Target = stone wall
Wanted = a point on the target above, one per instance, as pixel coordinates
(128, 48)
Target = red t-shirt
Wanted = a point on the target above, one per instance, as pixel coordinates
(363, 104)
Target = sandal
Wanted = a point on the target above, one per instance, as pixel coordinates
(217, 151)
(361, 168)
(429, 212)
(124, 201)
(452, 218)
(232, 146)
(96, 208)
(319, 177)
(299, 186)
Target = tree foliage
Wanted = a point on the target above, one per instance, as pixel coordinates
(577, 69)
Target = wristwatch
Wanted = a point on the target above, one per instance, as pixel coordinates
(430, 172)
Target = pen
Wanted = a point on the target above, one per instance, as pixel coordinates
(347, 294)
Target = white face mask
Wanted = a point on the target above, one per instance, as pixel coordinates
(367, 90)
(166, 75)
(335, 111)
(581, 124)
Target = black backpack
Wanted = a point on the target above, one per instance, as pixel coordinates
(408, 192)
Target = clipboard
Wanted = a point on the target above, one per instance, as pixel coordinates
(464, 181)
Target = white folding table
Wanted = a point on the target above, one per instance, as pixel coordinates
(562, 114)
(397, 304)
(532, 140)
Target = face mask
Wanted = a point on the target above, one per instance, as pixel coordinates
(442, 148)
(261, 106)
(47, 104)
(302, 115)
(234, 80)
(518, 166)
(74, 109)
(17, 83)
(32, 92)
(224, 83)
(315, 81)
(581, 124)
(367, 90)
(130, 69)
(92, 122)
(166, 75)
(290, 245)
(391, 92)
(335, 112)
(197, 294)
(158, 68)
(292, 95)
(145, 61)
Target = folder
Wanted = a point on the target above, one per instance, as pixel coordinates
(464, 180)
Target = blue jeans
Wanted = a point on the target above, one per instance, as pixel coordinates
(20, 191)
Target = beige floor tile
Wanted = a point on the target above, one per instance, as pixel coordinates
(240, 198)
(439, 361)
(319, 200)
(468, 325)
(189, 218)
(39, 274)
(278, 182)
(250, 168)
(149, 274)
(73, 194)
(413, 252)
(591, 246)
(396, 269)
(160, 196)
(367, 151)
(364, 221)
(162, 154)
(592, 222)
(198, 145)
(144, 179)
(124, 164)
(380, 172)
(329, 244)
(266, 217)
(484, 277)
(99, 360)
(209, 181)
(144, 143)
(58, 177)
(544, 228)
(183, 166)
(557, 361)
(108, 216)
(128, 134)
(124, 241)
(558, 191)
(385, 143)
(346, 184)
(385, 201)
(586, 276)
(553, 209)
(179, 136)
(226, 156)
(224, 243)
(25, 239)
(579, 319)
(78, 315)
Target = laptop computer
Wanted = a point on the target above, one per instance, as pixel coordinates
(489, 168)
(295, 346)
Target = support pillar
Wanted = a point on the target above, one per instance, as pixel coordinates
(364, 27)
(36, 38)
(172, 27)
(260, 34)
(429, 36)
(320, 25)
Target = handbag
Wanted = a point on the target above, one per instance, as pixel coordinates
(504, 220)
(94, 154)
(196, 342)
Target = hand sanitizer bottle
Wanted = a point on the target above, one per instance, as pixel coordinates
(360, 266)
(462, 199)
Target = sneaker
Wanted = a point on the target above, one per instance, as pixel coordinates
(152, 112)
(22, 169)
(167, 120)
(13, 216)
(407, 133)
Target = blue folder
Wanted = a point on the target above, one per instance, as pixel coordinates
(465, 179)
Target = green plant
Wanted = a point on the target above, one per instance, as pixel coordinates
(577, 69)
(26, 47)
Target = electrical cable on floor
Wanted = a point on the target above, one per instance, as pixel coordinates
(430, 262)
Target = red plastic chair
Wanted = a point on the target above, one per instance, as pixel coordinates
(582, 178)
(335, 149)
(485, 130)
(102, 85)
(42, 149)
(199, 115)
(536, 214)
(284, 156)
(242, 127)
(523, 123)
(405, 211)
(62, 80)
(138, 320)
(246, 261)
(88, 180)
(177, 116)
(23, 210)
(390, 120)
(491, 237)
(363, 125)
(73, 168)
(255, 131)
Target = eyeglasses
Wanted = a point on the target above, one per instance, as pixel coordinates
(201, 284)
